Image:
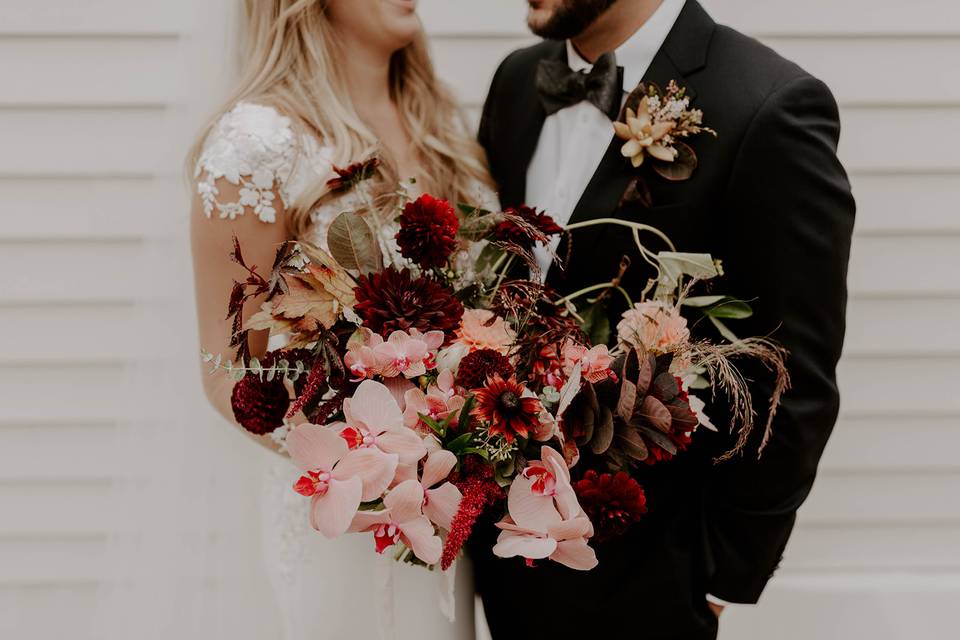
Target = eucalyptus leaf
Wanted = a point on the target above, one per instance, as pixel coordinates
(724, 329)
(596, 323)
(353, 244)
(659, 439)
(682, 166)
(675, 265)
(733, 309)
(703, 301)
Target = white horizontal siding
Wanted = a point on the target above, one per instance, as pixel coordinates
(89, 94)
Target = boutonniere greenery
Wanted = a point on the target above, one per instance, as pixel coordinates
(653, 125)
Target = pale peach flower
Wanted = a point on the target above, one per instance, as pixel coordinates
(653, 326)
(439, 401)
(645, 136)
(481, 329)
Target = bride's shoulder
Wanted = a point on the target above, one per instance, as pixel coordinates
(253, 147)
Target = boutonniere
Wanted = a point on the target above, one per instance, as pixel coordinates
(653, 124)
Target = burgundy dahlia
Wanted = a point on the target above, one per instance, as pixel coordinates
(507, 412)
(393, 300)
(428, 231)
(612, 502)
(476, 367)
(259, 406)
(524, 226)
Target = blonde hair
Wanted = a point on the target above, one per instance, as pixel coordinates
(292, 62)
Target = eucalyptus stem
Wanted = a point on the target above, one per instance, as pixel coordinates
(503, 274)
(636, 226)
(596, 287)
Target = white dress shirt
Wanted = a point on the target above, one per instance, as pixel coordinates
(573, 140)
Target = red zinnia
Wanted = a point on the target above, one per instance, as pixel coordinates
(392, 300)
(476, 367)
(428, 231)
(613, 502)
(502, 405)
(524, 226)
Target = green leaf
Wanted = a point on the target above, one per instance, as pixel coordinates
(724, 329)
(466, 209)
(440, 429)
(703, 301)
(596, 323)
(483, 453)
(458, 444)
(353, 244)
(488, 257)
(732, 309)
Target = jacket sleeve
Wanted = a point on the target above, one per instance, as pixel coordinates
(790, 220)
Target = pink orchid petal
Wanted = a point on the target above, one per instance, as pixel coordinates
(368, 520)
(374, 468)
(445, 380)
(405, 501)
(419, 535)
(511, 544)
(314, 447)
(404, 472)
(529, 510)
(438, 466)
(566, 498)
(404, 442)
(373, 406)
(579, 527)
(433, 339)
(399, 388)
(442, 504)
(576, 554)
(332, 513)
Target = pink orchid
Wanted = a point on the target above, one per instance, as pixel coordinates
(403, 521)
(546, 520)
(408, 354)
(594, 362)
(374, 421)
(441, 499)
(361, 360)
(335, 478)
(438, 402)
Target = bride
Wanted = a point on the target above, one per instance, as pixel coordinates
(324, 83)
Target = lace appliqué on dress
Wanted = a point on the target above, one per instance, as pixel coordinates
(253, 147)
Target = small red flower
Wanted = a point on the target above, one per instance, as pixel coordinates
(428, 231)
(613, 502)
(354, 174)
(524, 226)
(476, 367)
(502, 405)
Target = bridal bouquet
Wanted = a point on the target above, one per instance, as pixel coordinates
(423, 382)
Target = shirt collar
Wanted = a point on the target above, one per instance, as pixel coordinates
(636, 54)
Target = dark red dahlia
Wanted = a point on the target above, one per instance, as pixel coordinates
(502, 405)
(393, 300)
(476, 367)
(354, 174)
(428, 231)
(259, 406)
(524, 226)
(612, 501)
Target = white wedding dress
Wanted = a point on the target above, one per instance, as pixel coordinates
(324, 588)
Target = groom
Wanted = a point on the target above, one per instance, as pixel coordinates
(770, 199)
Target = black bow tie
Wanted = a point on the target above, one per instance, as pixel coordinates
(560, 86)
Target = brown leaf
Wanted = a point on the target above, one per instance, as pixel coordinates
(631, 443)
(682, 166)
(654, 412)
(637, 193)
(603, 433)
(352, 243)
(659, 439)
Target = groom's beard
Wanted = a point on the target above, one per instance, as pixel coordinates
(571, 18)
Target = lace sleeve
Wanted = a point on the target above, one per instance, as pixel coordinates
(253, 148)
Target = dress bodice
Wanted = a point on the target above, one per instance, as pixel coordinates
(257, 149)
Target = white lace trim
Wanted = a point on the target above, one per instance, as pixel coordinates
(253, 147)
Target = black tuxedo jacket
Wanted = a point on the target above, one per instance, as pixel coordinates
(772, 201)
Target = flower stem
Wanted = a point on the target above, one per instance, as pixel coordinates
(636, 226)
